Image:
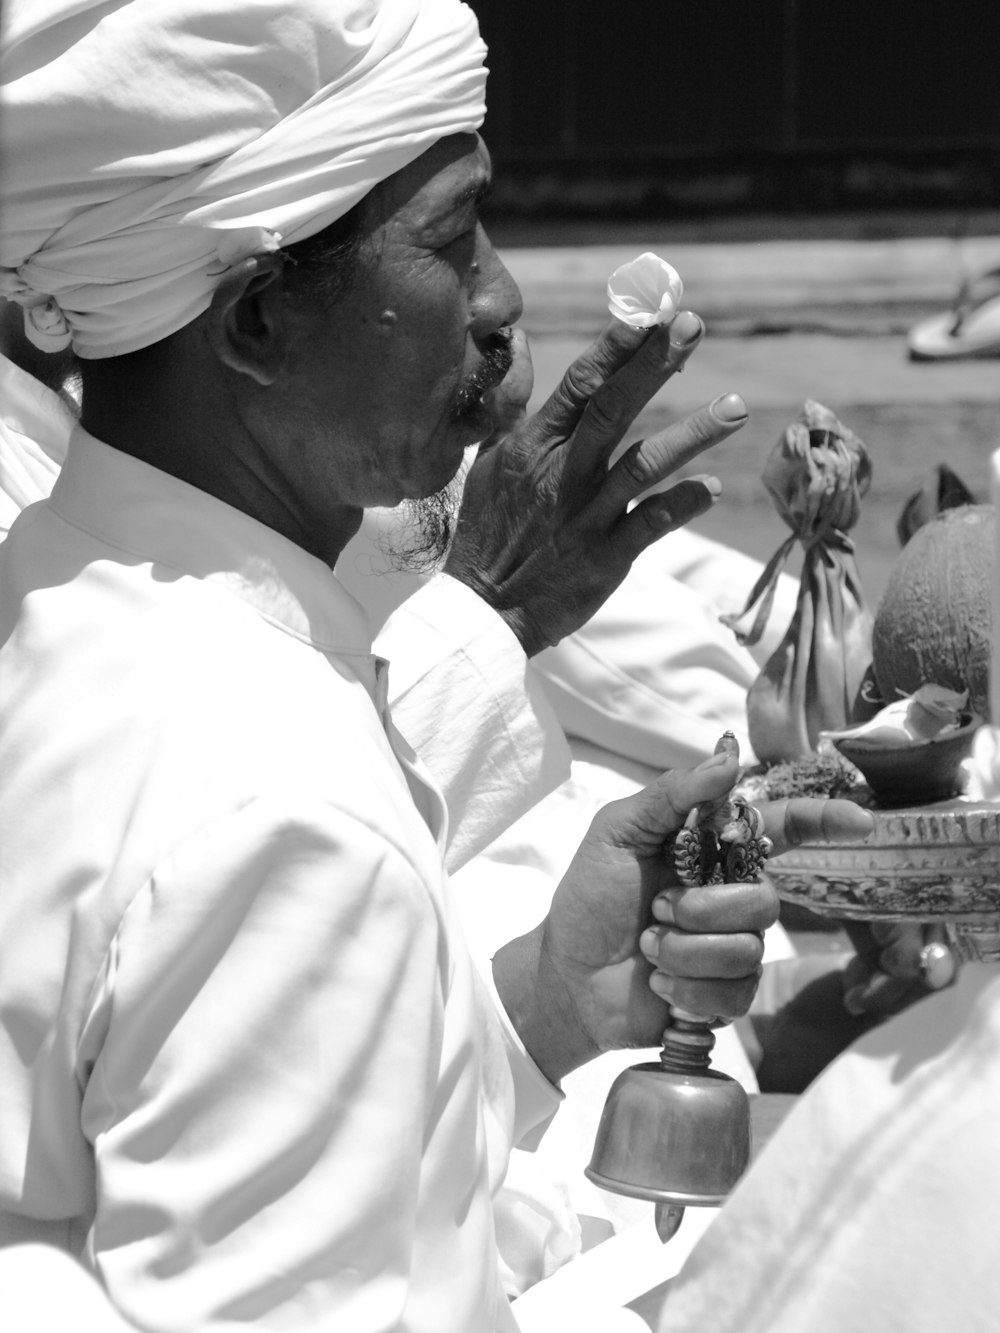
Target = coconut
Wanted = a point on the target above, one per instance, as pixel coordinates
(933, 626)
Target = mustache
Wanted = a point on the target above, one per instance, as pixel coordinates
(498, 357)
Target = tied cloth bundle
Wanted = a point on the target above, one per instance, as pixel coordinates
(817, 475)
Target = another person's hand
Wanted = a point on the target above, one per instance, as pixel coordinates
(545, 533)
(811, 1008)
(896, 963)
(622, 937)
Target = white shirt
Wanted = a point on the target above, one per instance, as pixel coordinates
(247, 1069)
(34, 430)
(475, 709)
(653, 677)
(876, 1205)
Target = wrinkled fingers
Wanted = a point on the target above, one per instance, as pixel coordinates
(612, 349)
(651, 462)
(614, 404)
(662, 513)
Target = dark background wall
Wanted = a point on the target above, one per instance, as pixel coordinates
(680, 106)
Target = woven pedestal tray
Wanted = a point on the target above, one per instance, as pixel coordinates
(936, 862)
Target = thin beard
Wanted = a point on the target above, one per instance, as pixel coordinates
(417, 541)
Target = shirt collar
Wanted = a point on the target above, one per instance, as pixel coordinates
(156, 517)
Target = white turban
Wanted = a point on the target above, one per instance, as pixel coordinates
(148, 145)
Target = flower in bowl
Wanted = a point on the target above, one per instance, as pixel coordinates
(912, 752)
(644, 292)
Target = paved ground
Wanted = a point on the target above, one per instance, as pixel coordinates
(788, 320)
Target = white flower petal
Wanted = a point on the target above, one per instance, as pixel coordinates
(645, 291)
(932, 711)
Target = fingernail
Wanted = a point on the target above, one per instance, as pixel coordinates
(662, 985)
(663, 908)
(686, 329)
(649, 943)
(730, 407)
(713, 761)
(854, 1001)
(711, 484)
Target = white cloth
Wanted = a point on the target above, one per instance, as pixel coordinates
(876, 1205)
(43, 1290)
(648, 684)
(654, 654)
(504, 892)
(149, 145)
(479, 717)
(34, 431)
(995, 600)
(470, 701)
(474, 709)
(247, 1069)
(653, 677)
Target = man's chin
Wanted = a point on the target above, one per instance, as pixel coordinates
(417, 539)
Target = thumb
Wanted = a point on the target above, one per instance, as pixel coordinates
(647, 818)
(508, 402)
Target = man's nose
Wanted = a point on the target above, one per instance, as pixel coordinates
(496, 297)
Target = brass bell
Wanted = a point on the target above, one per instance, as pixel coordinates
(678, 1132)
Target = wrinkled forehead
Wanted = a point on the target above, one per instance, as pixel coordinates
(447, 181)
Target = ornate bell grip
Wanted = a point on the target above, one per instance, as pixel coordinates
(721, 843)
(675, 1131)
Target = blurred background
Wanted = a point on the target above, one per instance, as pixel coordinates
(668, 108)
(823, 176)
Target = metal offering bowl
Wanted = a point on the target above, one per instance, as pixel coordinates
(912, 774)
(936, 862)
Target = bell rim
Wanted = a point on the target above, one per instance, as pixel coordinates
(651, 1194)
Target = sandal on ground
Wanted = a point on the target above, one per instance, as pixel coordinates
(970, 329)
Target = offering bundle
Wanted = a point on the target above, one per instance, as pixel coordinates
(817, 475)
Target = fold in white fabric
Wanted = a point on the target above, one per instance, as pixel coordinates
(149, 145)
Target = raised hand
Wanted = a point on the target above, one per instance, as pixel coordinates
(546, 533)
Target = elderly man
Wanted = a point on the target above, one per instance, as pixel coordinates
(247, 1070)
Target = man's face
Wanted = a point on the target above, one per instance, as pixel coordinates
(387, 383)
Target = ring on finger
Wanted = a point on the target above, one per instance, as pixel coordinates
(938, 966)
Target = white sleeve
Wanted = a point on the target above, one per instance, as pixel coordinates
(723, 577)
(874, 1206)
(34, 434)
(44, 1289)
(654, 676)
(278, 1091)
(465, 697)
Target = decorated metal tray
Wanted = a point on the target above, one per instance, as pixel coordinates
(927, 862)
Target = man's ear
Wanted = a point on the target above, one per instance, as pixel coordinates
(246, 323)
